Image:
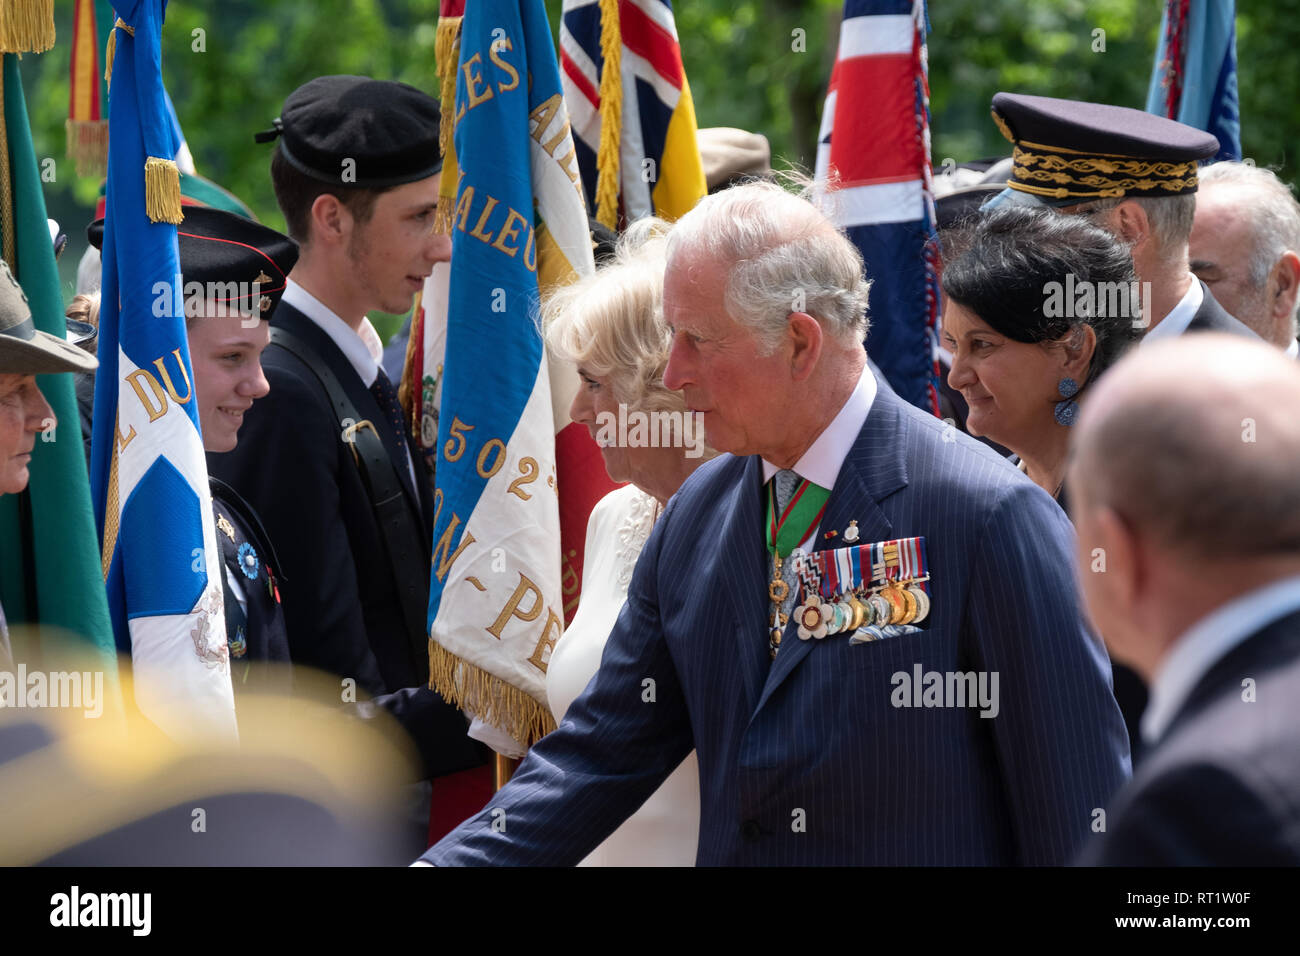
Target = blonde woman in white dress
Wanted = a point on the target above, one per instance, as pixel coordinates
(611, 326)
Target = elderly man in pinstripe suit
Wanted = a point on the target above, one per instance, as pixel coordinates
(848, 747)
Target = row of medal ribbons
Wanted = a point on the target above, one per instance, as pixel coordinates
(870, 591)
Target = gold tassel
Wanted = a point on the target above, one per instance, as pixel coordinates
(88, 145)
(26, 26)
(491, 699)
(162, 191)
(611, 115)
(111, 49)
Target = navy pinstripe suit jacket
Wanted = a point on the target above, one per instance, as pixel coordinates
(804, 760)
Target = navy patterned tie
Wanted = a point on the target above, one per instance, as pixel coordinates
(386, 396)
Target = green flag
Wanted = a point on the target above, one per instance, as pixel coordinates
(50, 569)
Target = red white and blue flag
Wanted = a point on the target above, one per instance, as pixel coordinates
(874, 154)
(651, 144)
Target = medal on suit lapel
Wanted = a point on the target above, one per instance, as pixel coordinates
(785, 532)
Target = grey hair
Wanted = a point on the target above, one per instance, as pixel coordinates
(1170, 218)
(783, 254)
(1271, 210)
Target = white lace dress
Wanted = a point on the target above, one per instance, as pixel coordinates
(665, 831)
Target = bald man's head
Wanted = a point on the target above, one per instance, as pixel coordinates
(1194, 442)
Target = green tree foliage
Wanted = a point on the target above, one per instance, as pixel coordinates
(759, 64)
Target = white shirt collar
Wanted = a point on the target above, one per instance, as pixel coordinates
(1207, 642)
(363, 349)
(1293, 348)
(1181, 315)
(821, 463)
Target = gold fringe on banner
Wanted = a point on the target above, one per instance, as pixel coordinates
(26, 26)
(88, 145)
(490, 698)
(162, 191)
(414, 345)
(447, 50)
(611, 115)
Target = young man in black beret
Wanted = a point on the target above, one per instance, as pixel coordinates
(325, 458)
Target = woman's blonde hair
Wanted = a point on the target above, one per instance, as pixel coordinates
(84, 308)
(611, 323)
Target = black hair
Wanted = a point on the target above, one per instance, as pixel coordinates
(1016, 266)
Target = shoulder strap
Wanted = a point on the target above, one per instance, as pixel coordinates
(407, 553)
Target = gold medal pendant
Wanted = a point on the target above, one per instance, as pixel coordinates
(777, 589)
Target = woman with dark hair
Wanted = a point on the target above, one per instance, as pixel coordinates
(1038, 305)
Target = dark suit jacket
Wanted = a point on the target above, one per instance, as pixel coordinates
(259, 644)
(1222, 786)
(342, 611)
(805, 759)
(1212, 317)
(293, 467)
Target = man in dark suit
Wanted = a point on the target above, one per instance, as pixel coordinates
(825, 750)
(325, 458)
(1189, 540)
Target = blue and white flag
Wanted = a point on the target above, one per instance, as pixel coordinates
(1194, 79)
(496, 605)
(148, 474)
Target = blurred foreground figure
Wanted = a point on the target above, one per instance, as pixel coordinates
(305, 786)
(1188, 513)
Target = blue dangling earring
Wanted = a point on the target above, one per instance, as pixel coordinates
(1067, 410)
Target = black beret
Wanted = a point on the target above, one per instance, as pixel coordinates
(1069, 152)
(247, 260)
(388, 131)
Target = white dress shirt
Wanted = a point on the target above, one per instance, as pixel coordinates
(822, 461)
(1181, 315)
(1207, 642)
(363, 348)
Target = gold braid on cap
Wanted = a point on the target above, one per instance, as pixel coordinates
(1095, 175)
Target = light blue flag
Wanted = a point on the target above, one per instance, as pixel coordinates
(1197, 84)
(148, 476)
(520, 224)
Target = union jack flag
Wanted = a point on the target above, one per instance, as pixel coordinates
(874, 152)
(657, 159)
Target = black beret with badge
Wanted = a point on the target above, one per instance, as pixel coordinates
(359, 132)
(1069, 152)
(25, 349)
(218, 248)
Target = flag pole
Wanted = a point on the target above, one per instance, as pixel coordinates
(503, 768)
